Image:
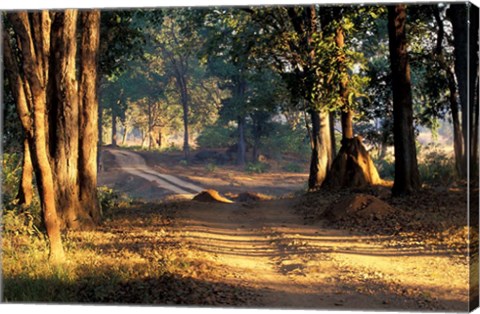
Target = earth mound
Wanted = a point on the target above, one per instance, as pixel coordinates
(211, 196)
(353, 167)
(252, 197)
(360, 206)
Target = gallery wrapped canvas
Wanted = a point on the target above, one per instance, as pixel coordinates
(281, 156)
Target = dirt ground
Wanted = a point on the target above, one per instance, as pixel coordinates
(284, 253)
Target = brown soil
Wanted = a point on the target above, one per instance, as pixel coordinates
(210, 196)
(360, 205)
(281, 253)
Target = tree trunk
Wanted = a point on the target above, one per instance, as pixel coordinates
(458, 15)
(458, 148)
(64, 135)
(160, 138)
(346, 114)
(184, 96)
(242, 147)
(124, 135)
(347, 124)
(30, 95)
(322, 155)
(331, 116)
(100, 138)
(90, 21)
(406, 169)
(457, 131)
(60, 119)
(114, 128)
(25, 190)
(473, 91)
(144, 138)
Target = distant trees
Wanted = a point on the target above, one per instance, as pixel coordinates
(56, 99)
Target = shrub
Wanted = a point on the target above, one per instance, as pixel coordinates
(436, 167)
(256, 167)
(385, 166)
(210, 167)
(216, 136)
(283, 140)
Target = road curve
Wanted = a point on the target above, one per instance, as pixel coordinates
(134, 164)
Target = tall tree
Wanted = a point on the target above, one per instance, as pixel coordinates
(406, 169)
(56, 102)
(464, 18)
(291, 37)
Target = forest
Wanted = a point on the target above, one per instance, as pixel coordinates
(313, 156)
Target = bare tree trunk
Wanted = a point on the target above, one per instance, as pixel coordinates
(100, 138)
(322, 155)
(331, 116)
(150, 126)
(457, 130)
(406, 169)
(347, 124)
(160, 138)
(473, 91)
(25, 191)
(346, 114)
(124, 135)
(184, 98)
(114, 128)
(32, 111)
(458, 148)
(458, 16)
(90, 21)
(65, 132)
(242, 147)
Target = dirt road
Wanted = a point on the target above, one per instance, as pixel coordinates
(135, 165)
(267, 247)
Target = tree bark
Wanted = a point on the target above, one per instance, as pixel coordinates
(90, 21)
(185, 105)
(114, 128)
(322, 155)
(460, 166)
(64, 136)
(458, 142)
(25, 191)
(406, 169)
(473, 91)
(150, 127)
(331, 116)
(32, 112)
(57, 104)
(346, 114)
(242, 147)
(458, 14)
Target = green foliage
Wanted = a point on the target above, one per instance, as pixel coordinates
(284, 140)
(385, 166)
(108, 198)
(17, 220)
(11, 172)
(257, 167)
(336, 67)
(210, 167)
(216, 136)
(436, 167)
(12, 128)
